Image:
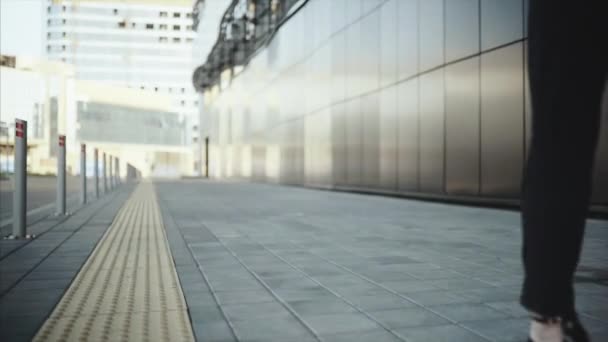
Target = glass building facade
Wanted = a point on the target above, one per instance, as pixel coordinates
(137, 44)
(396, 96)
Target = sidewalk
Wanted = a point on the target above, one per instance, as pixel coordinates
(34, 274)
(269, 263)
(224, 262)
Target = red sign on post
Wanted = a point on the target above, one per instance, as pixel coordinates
(62, 140)
(19, 128)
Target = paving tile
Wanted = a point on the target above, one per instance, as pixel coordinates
(316, 307)
(204, 313)
(438, 298)
(515, 329)
(254, 311)
(341, 323)
(468, 312)
(366, 336)
(378, 302)
(511, 308)
(240, 297)
(272, 329)
(410, 286)
(442, 333)
(214, 331)
(408, 317)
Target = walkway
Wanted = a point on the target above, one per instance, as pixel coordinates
(270, 263)
(228, 261)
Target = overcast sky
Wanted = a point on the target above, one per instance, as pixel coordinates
(21, 27)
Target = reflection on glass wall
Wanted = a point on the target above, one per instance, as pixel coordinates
(117, 124)
(396, 96)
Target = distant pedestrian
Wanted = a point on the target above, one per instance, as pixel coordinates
(567, 68)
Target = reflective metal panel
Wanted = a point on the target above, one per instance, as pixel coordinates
(527, 104)
(407, 38)
(501, 22)
(371, 140)
(462, 127)
(462, 28)
(408, 135)
(502, 114)
(338, 68)
(354, 142)
(388, 138)
(432, 131)
(338, 148)
(369, 67)
(600, 182)
(388, 42)
(353, 59)
(431, 34)
(370, 5)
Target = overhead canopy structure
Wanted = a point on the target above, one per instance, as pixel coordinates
(245, 27)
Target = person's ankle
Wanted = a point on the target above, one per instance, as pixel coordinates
(546, 332)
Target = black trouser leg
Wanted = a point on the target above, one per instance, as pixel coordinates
(567, 70)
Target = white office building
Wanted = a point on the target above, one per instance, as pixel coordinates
(141, 44)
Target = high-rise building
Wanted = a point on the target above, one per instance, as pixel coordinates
(141, 44)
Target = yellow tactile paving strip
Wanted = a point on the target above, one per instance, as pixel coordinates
(128, 289)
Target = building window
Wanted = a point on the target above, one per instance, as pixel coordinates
(183, 90)
(162, 26)
(63, 34)
(189, 27)
(48, 35)
(133, 25)
(115, 11)
(48, 9)
(163, 14)
(63, 8)
(63, 47)
(149, 26)
(122, 24)
(183, 103)
(170, 89)
(142, 87)
(63, 21)
(48, 48)
(176, 15)
(175, 27)
(189, 40)
(196, 103)
(163, 39)
(188, 15)
(176, 40)
(48, 22)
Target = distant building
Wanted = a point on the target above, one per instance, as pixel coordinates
(139, 44)
(135, 125)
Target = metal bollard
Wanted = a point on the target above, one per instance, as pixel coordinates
(83, 173)
(20, 179)
(61, 176)
(96, 171)
(117, 173)
(105, 178)
(111, 172)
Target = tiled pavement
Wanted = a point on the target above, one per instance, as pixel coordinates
(34, 274)
(269, 263)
